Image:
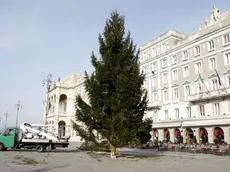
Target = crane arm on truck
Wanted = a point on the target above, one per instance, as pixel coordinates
(28, 130)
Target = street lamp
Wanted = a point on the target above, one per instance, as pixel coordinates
(6, 115)
(47, 82)
(18, 107)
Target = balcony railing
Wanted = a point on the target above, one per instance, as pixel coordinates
(208, 95)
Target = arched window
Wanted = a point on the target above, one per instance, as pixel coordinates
(63, 103)
(61, 129)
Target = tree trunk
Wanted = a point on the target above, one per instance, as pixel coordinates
(113, 153)
(113, 149)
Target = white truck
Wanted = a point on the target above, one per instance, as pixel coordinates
(29, 137)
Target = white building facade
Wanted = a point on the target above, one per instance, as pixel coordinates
(188, 77)
(62, 97)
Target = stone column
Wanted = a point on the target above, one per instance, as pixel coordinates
(172, 135)
(210, 134)
(183, 133)
(161, 134)
(196, 134)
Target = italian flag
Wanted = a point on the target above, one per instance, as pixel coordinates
(201, 84)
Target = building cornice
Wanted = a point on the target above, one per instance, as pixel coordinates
(163, 37)
(209, 31)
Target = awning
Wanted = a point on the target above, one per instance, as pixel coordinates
(166, 133)
(177, 133)
(203, 132)
(155, 133)
(218, 132)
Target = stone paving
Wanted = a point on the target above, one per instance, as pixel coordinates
(71, 160)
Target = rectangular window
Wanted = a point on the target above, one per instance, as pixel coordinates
(153, 67)
(166, 114)
(211, 45)
(174, 75)
(164, 78)
(175, 93)
(163, 48)
(212, 63)
(177, 113)
(164, 63)
(154, 82)
(155, 98)
(186, 71)
(154, 52)
(145, 70)
(216, 109)
(197, 50)
(187, 90)
(227, 59)
(214, 84)
(198, 67)
(189, 112)
(174, 59)
(226, 39)
(149, 54)
(185, 55)
(165, 95)
(158, 50)
(202, 112)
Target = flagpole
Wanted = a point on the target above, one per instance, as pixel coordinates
(202, 80)
(207, 89)
(220, 81)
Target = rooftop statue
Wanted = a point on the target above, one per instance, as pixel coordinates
(215, 14)
(214, 17)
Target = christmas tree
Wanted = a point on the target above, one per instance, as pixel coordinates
(117, 100)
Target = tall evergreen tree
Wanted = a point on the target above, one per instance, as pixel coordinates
(117, 100)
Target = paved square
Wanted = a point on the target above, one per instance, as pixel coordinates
(69, 160)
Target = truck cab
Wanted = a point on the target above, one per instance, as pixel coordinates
(8, 138)
(29, 137)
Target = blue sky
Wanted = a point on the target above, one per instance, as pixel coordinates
(57, 36)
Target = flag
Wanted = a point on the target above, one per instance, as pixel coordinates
(220, 82)
(218, 76)
(202, 81)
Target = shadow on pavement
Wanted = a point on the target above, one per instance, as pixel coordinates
(47, 169)
(46, 151)
(139, 152)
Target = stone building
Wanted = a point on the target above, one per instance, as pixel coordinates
(188, 77)
(62, 96)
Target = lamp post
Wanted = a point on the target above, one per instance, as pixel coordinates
(6, 115)
(47, 82)
(18, 107)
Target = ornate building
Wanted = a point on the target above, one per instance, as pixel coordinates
(188, 77)
(62, 96)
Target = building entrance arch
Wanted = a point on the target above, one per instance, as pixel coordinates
(61, 129)
(190, 138)
(203, 136)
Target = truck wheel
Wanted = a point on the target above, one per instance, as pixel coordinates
(40, 148)
(2, 147)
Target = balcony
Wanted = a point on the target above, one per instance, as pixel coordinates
(154, 105)
(206, 96)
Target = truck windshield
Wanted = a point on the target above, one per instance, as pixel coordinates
(9, 132)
